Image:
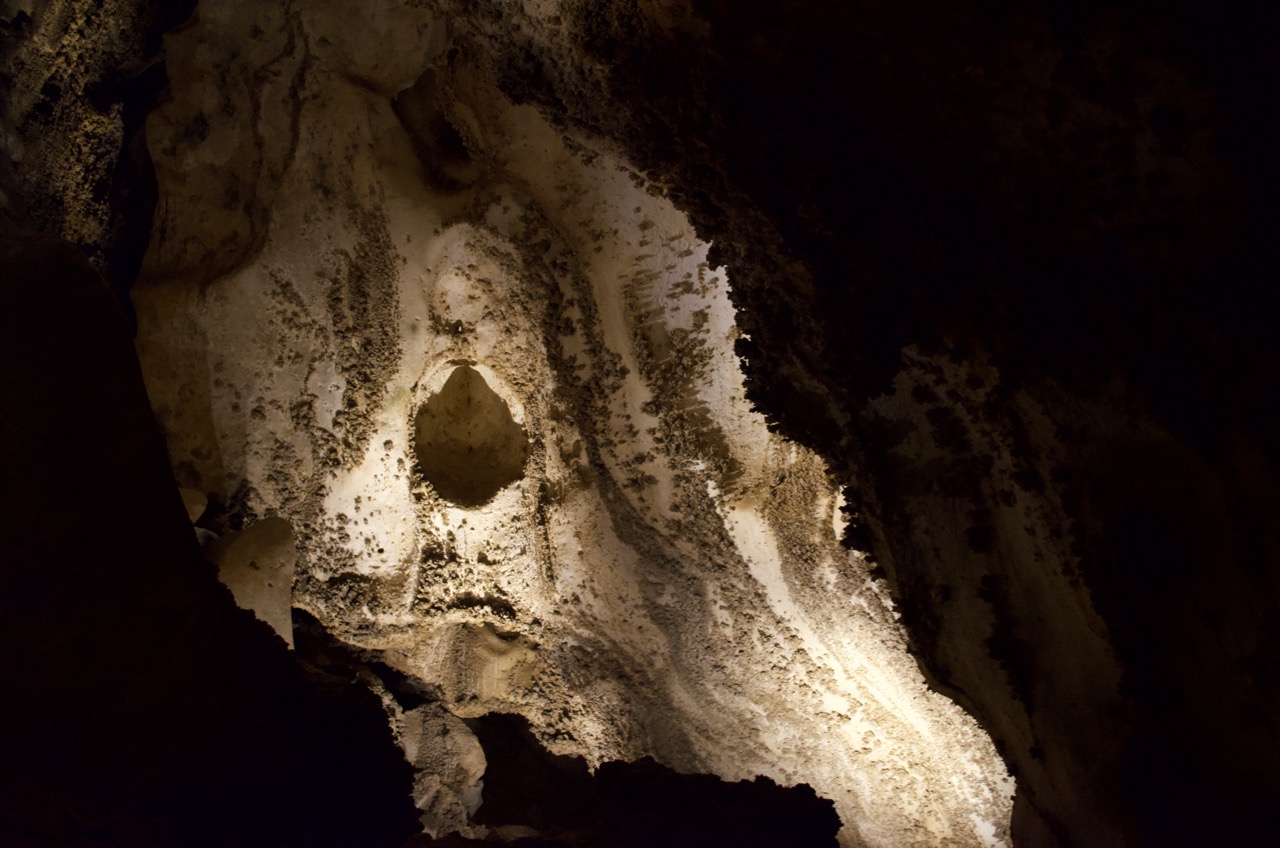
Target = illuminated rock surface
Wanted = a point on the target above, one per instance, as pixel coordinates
(1008, 272)
(501, 409)
(257, 564)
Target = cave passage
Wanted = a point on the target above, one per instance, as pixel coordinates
(468, 446)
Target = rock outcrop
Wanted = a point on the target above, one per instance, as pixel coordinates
(790, 340)
(140, 704)
(484, 369)
(1009, 273)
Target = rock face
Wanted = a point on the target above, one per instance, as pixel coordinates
(450, 766)
(80, 78)
(485, 371)
(141, 705)
(999, 277)
(257, 564)
(1010, 274)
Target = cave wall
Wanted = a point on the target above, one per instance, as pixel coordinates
(79, 79)
(485, 371)
(141, 706)
(1010, 273)
(141, 703)
(1006, 272)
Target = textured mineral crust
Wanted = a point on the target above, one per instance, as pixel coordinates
(481, 372)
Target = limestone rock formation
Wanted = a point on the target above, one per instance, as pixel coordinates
(79, 79)
(257, 564)
(450, 768)
(1009, 272)
(140, 705)
(485, 370)
(997, 281)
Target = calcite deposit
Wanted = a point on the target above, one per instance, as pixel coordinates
(479, 369)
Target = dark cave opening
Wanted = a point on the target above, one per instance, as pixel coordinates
(467, 444)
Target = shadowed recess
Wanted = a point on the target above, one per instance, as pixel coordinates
(468, 446)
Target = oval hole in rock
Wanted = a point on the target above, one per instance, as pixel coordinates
(468, 446)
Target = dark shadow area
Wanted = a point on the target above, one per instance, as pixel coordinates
(1074, 202)
(1059, 219)
(468, 446)
(636, 805)
(140, 706)
(446, 162)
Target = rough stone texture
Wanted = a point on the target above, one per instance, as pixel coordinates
(1009, 272)
(141, 707)
(80, 77)
(450, 768)
(663, 577)
(1006, 270)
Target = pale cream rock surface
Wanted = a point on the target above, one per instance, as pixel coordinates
(257, 564)
(352, 217)
(195, 503)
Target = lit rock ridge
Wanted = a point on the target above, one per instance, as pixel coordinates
(365, 259)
